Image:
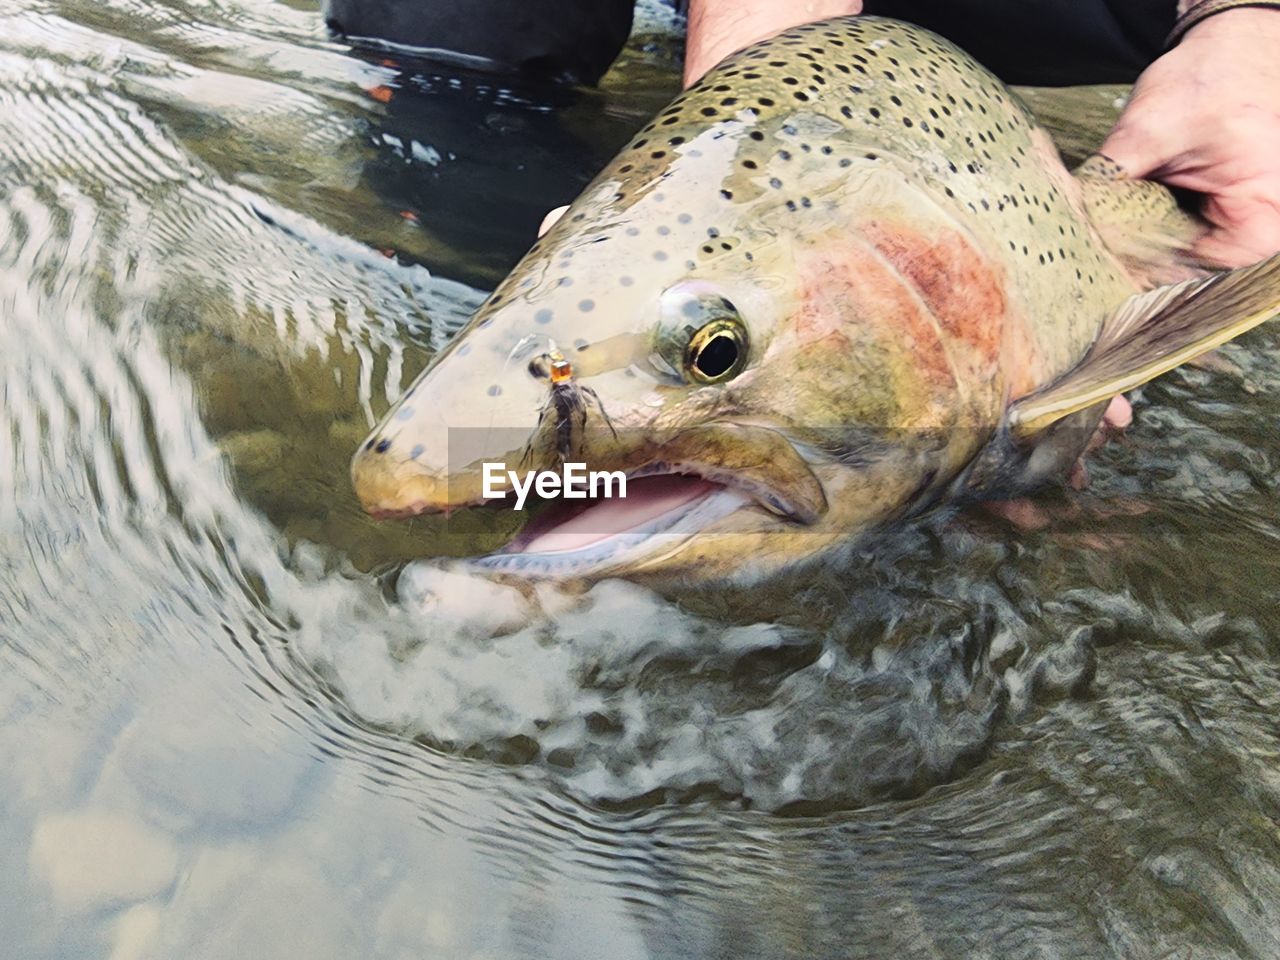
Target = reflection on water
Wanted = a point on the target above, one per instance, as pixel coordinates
(229, 728)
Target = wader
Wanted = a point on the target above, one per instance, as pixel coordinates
(1041, 42)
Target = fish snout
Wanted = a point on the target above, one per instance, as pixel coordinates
(392, 488)
(432, 451)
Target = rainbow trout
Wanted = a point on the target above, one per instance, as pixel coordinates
(841, 279)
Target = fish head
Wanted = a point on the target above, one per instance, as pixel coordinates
(736, 316)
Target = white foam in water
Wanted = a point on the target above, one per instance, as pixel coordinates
(620, 693)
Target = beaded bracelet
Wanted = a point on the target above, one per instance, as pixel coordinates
(1197, 12)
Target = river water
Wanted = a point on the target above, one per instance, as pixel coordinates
(237, 721)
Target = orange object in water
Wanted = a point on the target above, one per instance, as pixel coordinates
(382, 94)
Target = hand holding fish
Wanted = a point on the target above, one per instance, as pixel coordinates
(1206, 117)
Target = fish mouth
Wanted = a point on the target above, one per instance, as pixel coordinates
(663, 508)
(659, 495)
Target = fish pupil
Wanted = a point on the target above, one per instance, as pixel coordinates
(717, 357)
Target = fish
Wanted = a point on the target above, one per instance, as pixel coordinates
(841, 280)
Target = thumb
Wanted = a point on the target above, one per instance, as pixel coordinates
(1132, 148)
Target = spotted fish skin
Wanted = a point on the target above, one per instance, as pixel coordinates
(899, 238)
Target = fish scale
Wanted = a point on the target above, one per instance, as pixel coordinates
(890, 253)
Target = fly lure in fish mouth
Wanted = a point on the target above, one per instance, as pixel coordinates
(567, 402)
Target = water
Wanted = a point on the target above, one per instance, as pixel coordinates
(234, 723)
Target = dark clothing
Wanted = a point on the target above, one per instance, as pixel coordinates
(569, 40)
(1041, 42)
(1047, 42)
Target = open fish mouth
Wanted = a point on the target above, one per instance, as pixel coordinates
(634, 502)
(662, 509)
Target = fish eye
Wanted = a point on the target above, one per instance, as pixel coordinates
(701, 337)
(716, 352)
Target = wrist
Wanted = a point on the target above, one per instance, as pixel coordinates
(1226, 18)
(718, 28)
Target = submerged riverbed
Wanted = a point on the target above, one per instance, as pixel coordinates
(236, 719)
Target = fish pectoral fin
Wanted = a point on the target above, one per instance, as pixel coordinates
(1150, 334)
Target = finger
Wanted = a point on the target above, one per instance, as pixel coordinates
(550, 219)
(1246, 230)
(1143, 142)
(1119, 414)
(1132, 148)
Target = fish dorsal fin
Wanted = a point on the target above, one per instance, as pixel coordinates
(1150, 334)
(1141, 222)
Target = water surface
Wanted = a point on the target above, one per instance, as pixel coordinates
(233, 722)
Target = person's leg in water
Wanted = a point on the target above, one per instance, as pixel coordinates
(573, 41)
(1041, 42)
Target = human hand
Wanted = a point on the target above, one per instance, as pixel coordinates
(1206, 117)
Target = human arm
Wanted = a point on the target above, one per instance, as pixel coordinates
(718, 28)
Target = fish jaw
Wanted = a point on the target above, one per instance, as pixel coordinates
(707, 537)
(680, 479)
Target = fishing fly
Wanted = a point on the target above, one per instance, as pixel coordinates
(567, 402)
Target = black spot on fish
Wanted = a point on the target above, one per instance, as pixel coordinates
(383, 446)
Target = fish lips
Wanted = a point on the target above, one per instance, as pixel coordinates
(679, 485)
